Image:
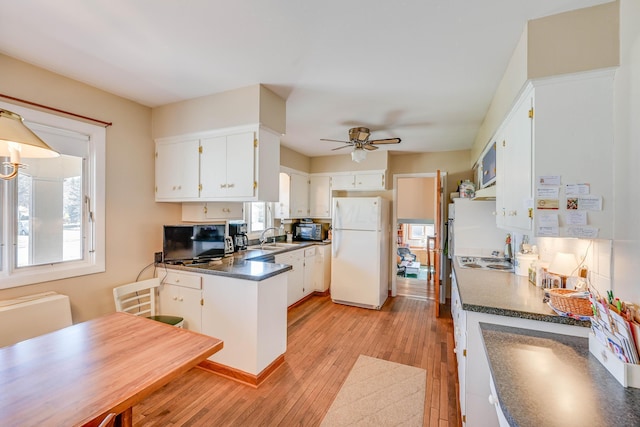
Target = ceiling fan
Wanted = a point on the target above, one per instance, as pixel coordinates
(359, 140)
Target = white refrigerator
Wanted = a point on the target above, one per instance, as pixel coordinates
(360, 251)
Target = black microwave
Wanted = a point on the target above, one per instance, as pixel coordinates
(309, 231)
(200, 242)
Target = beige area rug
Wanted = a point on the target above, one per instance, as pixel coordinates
(379, 393)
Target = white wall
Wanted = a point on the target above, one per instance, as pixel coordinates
(626, 245)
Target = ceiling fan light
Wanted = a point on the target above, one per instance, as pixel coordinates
(358, 155)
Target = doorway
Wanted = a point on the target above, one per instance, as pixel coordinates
(417, 225)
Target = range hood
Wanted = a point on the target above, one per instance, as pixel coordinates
(487, 193)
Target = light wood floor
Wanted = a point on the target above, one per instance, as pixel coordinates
(324, 341)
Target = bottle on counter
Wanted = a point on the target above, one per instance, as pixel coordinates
(329, 233)
(507, 248)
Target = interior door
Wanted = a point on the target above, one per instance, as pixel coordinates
(437, 251)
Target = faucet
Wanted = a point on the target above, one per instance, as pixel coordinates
(263, 240)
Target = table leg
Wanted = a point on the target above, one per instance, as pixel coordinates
(125, 419)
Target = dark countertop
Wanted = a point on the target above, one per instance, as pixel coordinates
(250, 264)
(505, 294)
(545, 379)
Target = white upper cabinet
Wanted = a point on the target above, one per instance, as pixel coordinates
(514, 160)
(227, 167)
(294, 195)
(234, 164)
(177, 169)
(320, 196)
(359, 181)
(568, 141)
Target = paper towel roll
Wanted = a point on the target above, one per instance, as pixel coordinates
(523, 261)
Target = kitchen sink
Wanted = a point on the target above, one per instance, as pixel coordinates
(275, 246)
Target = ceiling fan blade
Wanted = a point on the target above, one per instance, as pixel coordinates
(369, 147)
(335, 140)
(386, 141)
(340, 148)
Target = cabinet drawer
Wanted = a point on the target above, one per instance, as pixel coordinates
(184, 280)
(308, 252)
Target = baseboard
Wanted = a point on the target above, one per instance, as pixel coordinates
(241, 376)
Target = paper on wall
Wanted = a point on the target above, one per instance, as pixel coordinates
(549, 180)
(547, 192)
(576, 189)
(584, 232)
(576, 217)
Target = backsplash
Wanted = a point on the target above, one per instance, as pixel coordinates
(594, 254)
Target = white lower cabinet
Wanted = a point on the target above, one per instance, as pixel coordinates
(493, 399)
(473, 368)
(181, 295)
(322, 273)
(301, 277)
(249, 316)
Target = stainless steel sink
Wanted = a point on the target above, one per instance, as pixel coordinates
(275, 246)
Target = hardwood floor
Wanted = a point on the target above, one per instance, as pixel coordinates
(324, 341)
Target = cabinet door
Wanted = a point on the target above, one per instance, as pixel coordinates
(309, 271)
(177, 170)
(213, 167)
(295, 281)
(211, 211)
(283, 209)
(518, 167)
(240, 165)
(320, 197)
(299, 196)
(370, 181)
(343, 182)
(184, 302)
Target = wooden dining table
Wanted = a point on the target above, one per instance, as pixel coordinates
(78, 375)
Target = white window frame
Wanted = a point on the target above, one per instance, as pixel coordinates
(94, 250)
(254, 234)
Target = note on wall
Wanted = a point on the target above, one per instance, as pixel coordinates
(547, 192)
(549, 180)
(576, 217)
(576, 189)
(584, 203)
(547, 225)
(585, 232)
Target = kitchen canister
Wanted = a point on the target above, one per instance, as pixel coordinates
(467, 189)
(523, 262)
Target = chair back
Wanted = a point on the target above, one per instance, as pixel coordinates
(137, 298)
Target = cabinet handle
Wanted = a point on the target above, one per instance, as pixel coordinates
(175, 298)
(231, 185)
(493, 400)
(180, 299)
(223, 185)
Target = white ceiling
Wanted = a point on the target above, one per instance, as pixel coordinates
(421, 70)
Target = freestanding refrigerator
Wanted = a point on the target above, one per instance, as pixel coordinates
(360, 251)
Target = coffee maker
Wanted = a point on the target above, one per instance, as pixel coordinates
(238, 232)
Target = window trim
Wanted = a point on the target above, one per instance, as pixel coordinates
(94, 260)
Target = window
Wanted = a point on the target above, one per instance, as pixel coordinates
(54, 209)
(258, 216)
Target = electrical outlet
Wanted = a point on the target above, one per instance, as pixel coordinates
(157, 257)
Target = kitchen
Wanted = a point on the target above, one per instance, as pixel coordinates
(130, 175)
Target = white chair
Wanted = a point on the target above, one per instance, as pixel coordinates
(139, 298)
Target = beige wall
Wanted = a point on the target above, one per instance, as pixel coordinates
(133, 219)
(416, 198)
(243, 106)
(454, 163)
(294, 160)
(376, 160)
(570, 42)
(580, 40)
